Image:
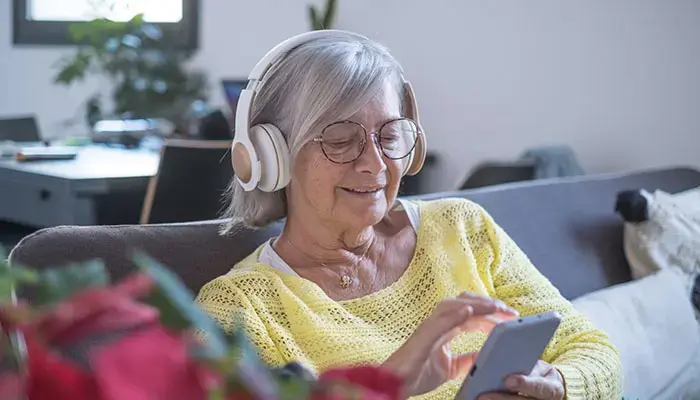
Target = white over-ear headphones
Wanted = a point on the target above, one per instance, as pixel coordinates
(259, 153)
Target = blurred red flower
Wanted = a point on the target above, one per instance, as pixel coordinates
(103, 343)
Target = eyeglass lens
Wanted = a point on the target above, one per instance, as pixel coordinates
(344, 141)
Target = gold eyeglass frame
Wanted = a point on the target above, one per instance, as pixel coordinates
(376, 135)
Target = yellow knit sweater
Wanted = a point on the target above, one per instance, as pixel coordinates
(459, 248)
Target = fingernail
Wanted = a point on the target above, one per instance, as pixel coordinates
(493, 319)
(511, 383)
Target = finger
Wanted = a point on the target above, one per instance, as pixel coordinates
(478, 323)
(483, 324)
(474, 323)
(448, 314)
(461, 364)
(428, 336)
(500, 304)
(482, 306)
(536, 386)
(500, 396)
(542, 368)
(480, 298)
(454, 316)
(494, 318)
(488, 307)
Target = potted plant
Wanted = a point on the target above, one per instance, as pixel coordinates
(84, 337)
(145, 66)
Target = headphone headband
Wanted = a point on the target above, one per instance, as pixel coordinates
(290, 44)
(257, 75)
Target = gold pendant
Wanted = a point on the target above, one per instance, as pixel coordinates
(345, 281)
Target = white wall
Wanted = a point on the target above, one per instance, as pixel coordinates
(618, 80)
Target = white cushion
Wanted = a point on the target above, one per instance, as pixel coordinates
(670, 238)
(686, 385)
(652, 324)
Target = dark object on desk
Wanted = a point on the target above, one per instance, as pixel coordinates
(232, 91)
(125, 132)
(494, 173)
(21, 129)
(46, 153)
(191, 180)
(126, 140)
(214, 126)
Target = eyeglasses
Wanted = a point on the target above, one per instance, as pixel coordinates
(343, 142)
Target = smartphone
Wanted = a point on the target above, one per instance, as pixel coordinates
(513, 347)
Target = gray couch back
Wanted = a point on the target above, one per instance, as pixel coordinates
(568, 228)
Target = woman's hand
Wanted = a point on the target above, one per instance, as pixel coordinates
(424, 362)
(544, 383)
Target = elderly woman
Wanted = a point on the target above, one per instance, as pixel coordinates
(358, 276)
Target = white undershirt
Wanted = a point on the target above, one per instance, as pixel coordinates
(269, 256)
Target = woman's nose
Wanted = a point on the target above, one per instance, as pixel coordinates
(372, 158)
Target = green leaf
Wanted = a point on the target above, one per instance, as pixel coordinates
(291, 389)
(137, 20)
(6, 287)
(56, 284)
(216, 394)
(99, 30)
(313, 19)
(11, 277)
(329, 17)
(248, 369)
(175, 300)
(170, 315)
(9, 357)
(74, 68)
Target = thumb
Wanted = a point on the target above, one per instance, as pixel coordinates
(461, 364)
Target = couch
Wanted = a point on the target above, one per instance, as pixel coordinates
(567, 226)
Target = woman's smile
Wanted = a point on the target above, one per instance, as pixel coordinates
(372, 194)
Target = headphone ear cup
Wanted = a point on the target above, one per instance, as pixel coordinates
(408, 161)
(273, 153)
(417, 155)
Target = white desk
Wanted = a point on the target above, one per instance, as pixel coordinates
(63, 192)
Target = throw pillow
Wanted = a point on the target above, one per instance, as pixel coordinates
(662, 231)
(652, 324)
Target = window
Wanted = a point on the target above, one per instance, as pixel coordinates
(46, 22)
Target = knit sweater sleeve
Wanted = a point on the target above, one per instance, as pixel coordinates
(589, 363)
(231, 309)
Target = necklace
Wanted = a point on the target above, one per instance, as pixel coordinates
(345, 279)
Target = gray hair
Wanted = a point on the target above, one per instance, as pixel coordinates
(319, 82)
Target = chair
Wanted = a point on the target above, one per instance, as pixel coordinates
(20, 129)
(494, 173)
(191, 179)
